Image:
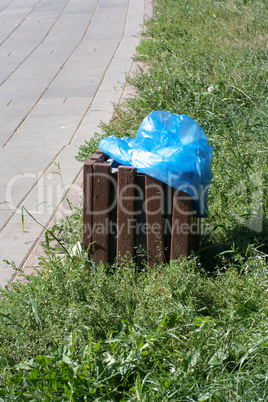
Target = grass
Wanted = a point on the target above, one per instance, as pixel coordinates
(178, 334)
(190, 331)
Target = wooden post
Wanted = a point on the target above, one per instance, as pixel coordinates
(87, 199)
(101, 205)
(98, 157)
(154, 201)
(181, 241)
(198, 233)
(87, 203)
(125, 212)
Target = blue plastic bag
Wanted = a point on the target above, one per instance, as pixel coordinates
(171, 148)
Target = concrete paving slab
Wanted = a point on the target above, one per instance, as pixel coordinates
(18, 99)
(101, 32)
(51, 52)
(88, 47)
(4, 4)
(17, 185)
(5, 71)
(5, 214)
(62, 126)
(71, 89)
(17, 52)
(89, 50)
(37, 70)
(15, 109)
(11, 18)
(90, 125)
(75, 106)
(20, 38)
(17, 88)
(115, 4)
(17, 242)
(51, 5)
(7, 128)
(68, 75)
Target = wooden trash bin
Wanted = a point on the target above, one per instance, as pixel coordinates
(124, 209)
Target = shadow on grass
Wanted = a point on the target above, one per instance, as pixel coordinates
(238, 245)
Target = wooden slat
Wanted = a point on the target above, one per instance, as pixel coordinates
(125, 212)
(154, 201)
(181, 243)
(87, 204)
(101, 205)
(98, 157)
(192, 233)
(100, 152)
(87, 200)
(198, 234)
(195, 232)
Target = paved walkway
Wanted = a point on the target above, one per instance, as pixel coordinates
(62, 65)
